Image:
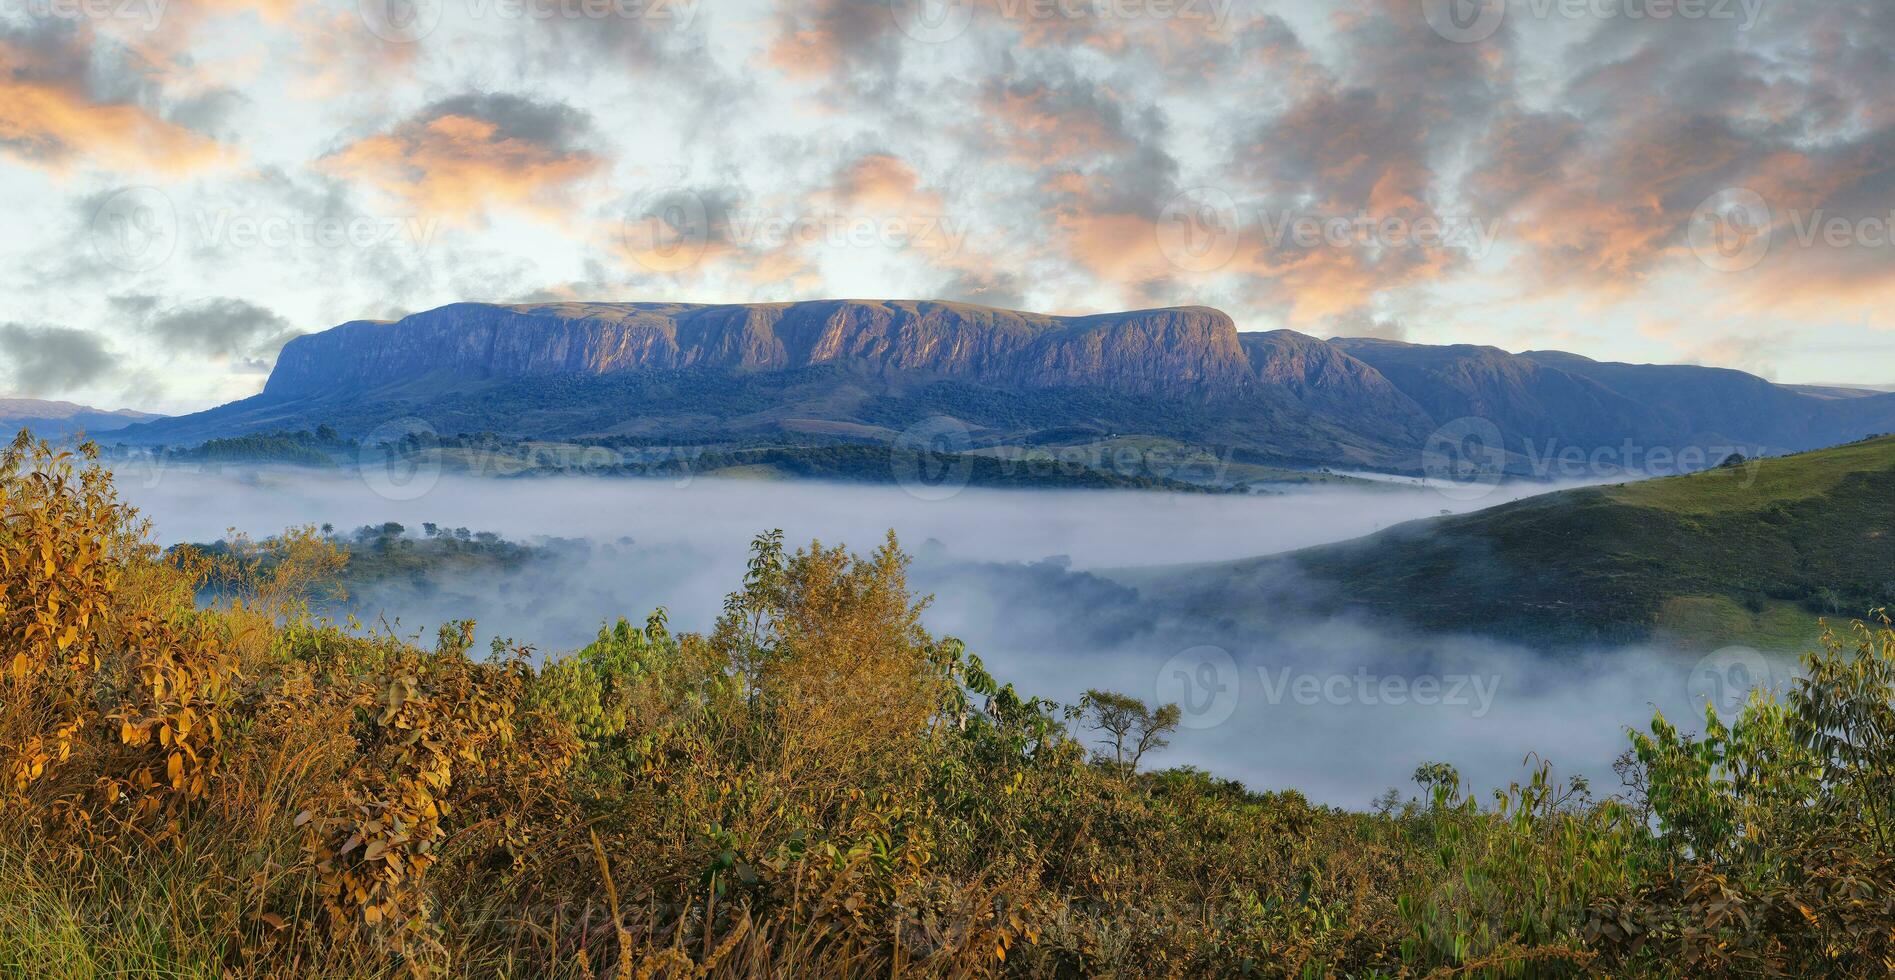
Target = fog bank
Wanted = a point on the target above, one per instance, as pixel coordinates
(1339, 709)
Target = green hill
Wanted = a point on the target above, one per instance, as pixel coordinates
(1749, 554)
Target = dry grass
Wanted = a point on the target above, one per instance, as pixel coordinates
(815, 788)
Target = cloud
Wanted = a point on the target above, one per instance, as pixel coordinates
(53, 360)
(1056, 117)
(1360, 323)
(827, 39)
(998, 288)
(70, 99)
(464, 156)
(223, 328)
(1054, 139)
(1657, 119)
(883, 182)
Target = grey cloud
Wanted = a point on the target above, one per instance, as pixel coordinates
(51, 360)
(223, 327)
(64, 54)
(209, 112)
(1130, 169)
(1656, 116)
(137, 305)
(997, 287)
(551, 124)
(859, 36)
(1363, 324)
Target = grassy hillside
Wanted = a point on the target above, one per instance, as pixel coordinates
(1752, 554)
(816, 787)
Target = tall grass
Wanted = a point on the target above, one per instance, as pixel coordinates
(815, 787)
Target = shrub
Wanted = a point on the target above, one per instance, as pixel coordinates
(815, 787)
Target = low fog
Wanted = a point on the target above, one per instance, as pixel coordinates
(1032, 581)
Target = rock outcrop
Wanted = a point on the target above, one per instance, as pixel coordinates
(1146, 351)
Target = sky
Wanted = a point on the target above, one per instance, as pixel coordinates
(187, 184)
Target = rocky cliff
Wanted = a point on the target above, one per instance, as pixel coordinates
(1145, 351)
(768, 371)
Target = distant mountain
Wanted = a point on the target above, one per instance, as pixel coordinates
(57, 420)
(1526, 400)
(1841, 391)
(1751, 553)
(778, 372)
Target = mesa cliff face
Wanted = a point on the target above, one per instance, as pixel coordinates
(1146, 351)
(613, 369)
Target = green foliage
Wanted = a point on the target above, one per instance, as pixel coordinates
(320, 447)
(818, 787)
(386, 556)
(1130, 727)
(613, 691)
(1773, 832)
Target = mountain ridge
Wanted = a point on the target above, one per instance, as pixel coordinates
(711, 373)
(59, 419)
(1140, 350)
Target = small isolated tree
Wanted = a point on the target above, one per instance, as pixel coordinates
(1130, 727)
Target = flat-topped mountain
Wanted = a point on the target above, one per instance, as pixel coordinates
(1144, 351)
(870, 369)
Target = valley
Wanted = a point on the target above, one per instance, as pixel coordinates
(947, 490)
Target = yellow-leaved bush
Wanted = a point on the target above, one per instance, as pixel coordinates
(202, 778)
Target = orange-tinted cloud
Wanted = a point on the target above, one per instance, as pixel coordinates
(463, 157)
(821, 38)
(883, 182)
(1040, 124)
(51, 115)
(58, 129)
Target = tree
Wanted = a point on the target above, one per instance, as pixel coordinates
(1130, 726)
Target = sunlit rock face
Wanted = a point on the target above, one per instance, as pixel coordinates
(1143, 351)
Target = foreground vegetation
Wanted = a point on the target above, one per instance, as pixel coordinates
(817, 787)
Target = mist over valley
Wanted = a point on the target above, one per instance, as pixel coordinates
(1053, 589)
(947, 490)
